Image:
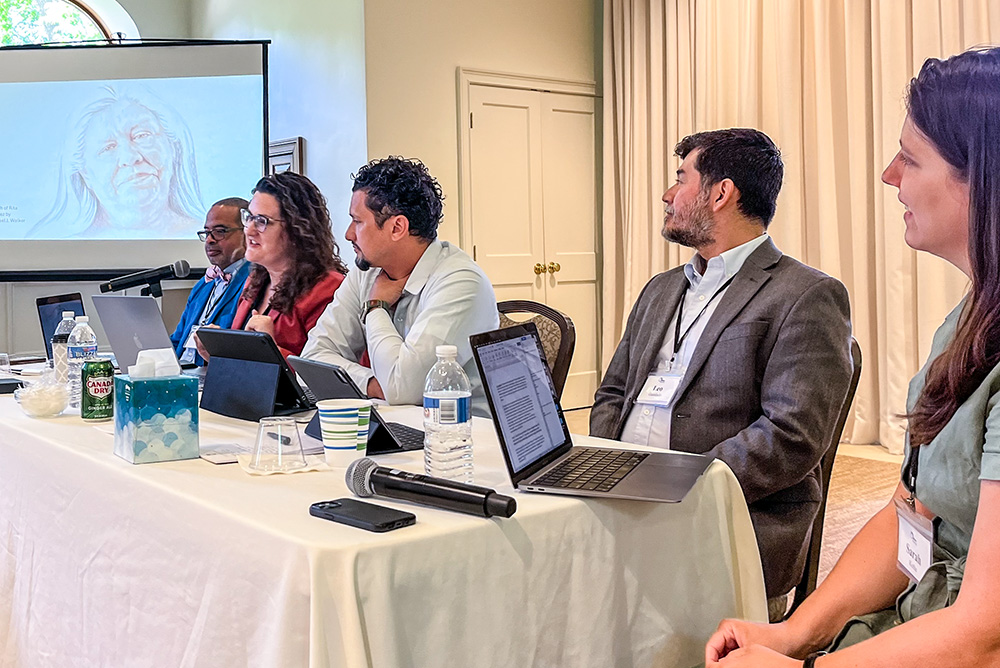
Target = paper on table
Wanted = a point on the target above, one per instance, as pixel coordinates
(223, 453)
(36, 369)
(228, 453)
(313, 463)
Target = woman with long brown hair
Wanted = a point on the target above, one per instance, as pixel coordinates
(297, 265)
(918, 585)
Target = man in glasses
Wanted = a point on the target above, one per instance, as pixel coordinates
(213, 300)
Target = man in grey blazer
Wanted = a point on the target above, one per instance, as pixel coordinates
(743, 353)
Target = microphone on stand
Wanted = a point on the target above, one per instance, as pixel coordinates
(178, 269)
(366, 478)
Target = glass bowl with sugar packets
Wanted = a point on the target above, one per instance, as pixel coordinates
(44, 397)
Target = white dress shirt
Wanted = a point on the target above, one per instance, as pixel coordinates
(446, 299)
(647, 424)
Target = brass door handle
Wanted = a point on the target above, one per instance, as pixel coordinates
(554, 267)
(539, 268)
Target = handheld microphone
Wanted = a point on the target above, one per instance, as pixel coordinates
(366, 478)
(178, 269)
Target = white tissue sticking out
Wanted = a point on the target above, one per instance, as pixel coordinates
(144, 370)
(163, 360)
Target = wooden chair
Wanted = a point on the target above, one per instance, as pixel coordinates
(808, 582)
(554, 328)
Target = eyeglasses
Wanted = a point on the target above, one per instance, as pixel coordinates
(257, 220)
(217, 233)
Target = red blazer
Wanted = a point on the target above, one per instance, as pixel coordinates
(292, 329)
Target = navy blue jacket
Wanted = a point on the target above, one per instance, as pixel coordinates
(222, 314)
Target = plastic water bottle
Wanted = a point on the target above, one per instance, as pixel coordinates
(80, 346)
(448, 419)
(59, 339)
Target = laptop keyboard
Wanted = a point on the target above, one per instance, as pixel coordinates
(592, 469)
(407, 437)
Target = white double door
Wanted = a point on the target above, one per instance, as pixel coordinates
(534, 210)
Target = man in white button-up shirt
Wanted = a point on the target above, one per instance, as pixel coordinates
(743, 353)
(412, 294)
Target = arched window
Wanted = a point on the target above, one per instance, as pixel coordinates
(42, 21)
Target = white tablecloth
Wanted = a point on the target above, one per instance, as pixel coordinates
(105, 563)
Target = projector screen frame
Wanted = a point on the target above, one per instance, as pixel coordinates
(83, 273)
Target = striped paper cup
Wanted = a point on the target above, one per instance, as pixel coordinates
(344, 424)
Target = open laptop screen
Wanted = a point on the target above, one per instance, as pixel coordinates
(523, 399)
(50, 311)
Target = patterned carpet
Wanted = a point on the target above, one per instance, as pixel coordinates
(859, 488)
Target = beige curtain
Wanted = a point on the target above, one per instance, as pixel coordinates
(826, 80)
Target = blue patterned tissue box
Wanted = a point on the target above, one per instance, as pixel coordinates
(156, 419)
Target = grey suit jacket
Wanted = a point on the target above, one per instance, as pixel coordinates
(762, 393)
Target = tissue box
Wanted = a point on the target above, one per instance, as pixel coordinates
(156, 419)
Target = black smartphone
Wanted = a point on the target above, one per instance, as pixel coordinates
(362, 515)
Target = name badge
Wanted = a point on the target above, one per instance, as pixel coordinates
(659, 389)
(916, 541)
(189, 343)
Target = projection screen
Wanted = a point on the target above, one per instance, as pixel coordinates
(113, 154)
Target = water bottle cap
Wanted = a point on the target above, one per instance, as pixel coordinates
(68, 314)
(446, 351)
(82, 318)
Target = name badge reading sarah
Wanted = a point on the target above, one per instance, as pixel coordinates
(916, 541)
(659, 389)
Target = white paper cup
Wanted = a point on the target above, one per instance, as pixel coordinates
(344, 424)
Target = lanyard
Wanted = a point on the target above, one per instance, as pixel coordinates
(256, 304)
(910, 473)
(260, 298)
(678, 337)
(212, 303)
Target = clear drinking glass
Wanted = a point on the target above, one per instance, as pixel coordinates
(278, 446)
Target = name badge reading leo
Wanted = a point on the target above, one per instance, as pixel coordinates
(659, 389)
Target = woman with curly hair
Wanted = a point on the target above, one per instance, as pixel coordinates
(297, 265)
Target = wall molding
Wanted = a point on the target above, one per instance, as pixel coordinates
(466, 79)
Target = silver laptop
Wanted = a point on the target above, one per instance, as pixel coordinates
(132, 324)
(536, 443)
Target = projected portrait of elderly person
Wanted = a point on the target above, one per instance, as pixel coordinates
(129, 172)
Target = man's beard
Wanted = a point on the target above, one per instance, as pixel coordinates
(696, 225)
(363, 264)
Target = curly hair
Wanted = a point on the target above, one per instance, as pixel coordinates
(314, 252)
(402, 186)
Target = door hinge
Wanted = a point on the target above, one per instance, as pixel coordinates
(473, 252)
(470, 120)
